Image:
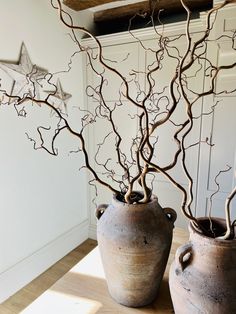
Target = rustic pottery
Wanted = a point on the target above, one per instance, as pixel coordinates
(203, 275)
(134, 242)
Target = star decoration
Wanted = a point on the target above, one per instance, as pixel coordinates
(60, 98)
(26, 76)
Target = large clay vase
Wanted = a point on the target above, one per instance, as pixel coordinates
(203, 276)
(134, 242)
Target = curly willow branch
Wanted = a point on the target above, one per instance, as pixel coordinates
(148, 105)
(57, 132)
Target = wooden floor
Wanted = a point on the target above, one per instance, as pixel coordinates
(20, 300)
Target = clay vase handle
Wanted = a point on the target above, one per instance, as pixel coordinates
(100, 210)
(183, 256)
(170, 214)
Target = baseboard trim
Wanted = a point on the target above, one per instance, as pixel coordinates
(19, 275)
(93, 232)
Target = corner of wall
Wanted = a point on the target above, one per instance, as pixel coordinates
(32, 266)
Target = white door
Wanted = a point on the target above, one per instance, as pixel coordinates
(168, 194)
(220, 127)
(102, 138)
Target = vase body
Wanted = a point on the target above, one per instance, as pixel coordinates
(203, 276)
(134, 243)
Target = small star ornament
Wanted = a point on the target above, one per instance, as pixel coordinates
(60, 98)
(25, 75)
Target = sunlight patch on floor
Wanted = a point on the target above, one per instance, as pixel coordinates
(91, 266)
(61, 303)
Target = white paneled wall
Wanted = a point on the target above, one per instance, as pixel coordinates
(221, 128)
(204, 161)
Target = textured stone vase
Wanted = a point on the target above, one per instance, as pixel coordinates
(203, 276)
(134, 243)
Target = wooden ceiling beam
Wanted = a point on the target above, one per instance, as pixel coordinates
(143, 7)
(79, 5)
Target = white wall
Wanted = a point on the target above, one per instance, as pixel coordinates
(43, 203)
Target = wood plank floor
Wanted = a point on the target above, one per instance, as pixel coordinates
(20, 300)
